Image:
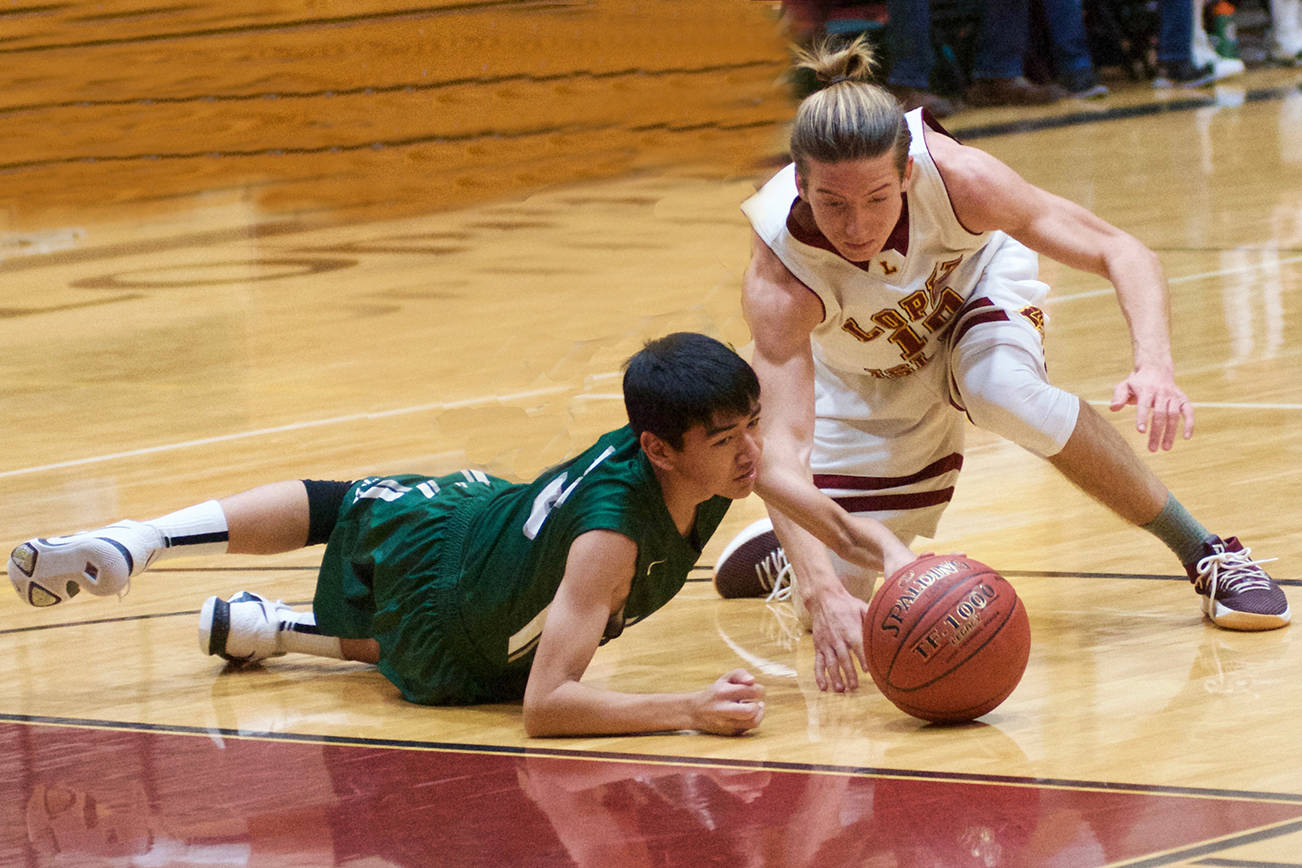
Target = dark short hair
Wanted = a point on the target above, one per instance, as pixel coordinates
(685, 379)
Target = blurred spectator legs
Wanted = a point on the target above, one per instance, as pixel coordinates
(913, 57)
(1069, 45)
(997, 74)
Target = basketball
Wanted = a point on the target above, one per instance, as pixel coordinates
(947, 638)
(750, 563)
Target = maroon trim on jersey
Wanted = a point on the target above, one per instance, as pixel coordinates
(898, 240)
(791, 219)
(930, 120)
(803, 228)
(825, 481)
(967, 319)
(888, 502)
(935, 126)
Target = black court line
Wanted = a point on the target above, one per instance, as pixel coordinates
(706, 569)
(661, 759)
(312, 567)
(1184, 853)
(1247, 863)
(92, 622)
(700, 573)
(1031, 125)
(705, 573)
(278, 228)
(1247, 248)
(1121, 113)
(1067, 574)
(1056, 574)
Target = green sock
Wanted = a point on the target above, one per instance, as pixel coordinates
(1179, 530)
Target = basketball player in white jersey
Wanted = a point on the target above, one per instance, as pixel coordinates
(892, 295)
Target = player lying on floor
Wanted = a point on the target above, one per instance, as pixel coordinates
(466, 588)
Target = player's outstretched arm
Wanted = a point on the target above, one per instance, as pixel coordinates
(836, 619)
(862, 541)
(987, 195)
(782, 313)
(598, 575)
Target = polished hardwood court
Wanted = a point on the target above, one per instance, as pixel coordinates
(259, 241)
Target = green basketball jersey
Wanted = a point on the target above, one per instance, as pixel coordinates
(516, 548)
(454, 575)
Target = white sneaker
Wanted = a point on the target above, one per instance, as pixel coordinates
(1227, 67)
(242, 630)
(48, 571)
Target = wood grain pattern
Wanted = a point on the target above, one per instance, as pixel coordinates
(239, 288)
(374, 106)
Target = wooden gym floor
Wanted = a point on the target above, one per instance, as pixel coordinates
(256, 241)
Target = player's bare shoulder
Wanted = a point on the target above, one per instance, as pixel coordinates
(600, 566)
(773, 298)
(978, 184)
(960, 165)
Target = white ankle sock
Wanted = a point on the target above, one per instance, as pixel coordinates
(298, 633)
(195, 530)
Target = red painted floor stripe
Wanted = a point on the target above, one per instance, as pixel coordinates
(72, 793)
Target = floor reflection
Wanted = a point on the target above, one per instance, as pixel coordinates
(74, 795)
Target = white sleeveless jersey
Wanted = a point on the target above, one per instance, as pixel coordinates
(888, 439)
(884, 318)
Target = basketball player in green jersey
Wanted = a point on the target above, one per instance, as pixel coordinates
(466, 588)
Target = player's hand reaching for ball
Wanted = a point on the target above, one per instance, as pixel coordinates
(731, 705)
(837, 625)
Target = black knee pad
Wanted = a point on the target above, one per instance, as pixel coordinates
(323, 502)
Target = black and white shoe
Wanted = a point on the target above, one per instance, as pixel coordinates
(45, 571)
(242, 630)
(1184, 74)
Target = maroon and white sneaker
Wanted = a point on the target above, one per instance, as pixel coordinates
(1237, 593)
(753, 564)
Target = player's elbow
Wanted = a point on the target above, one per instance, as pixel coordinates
(538, 723)
(785, 459)
(546, 713)
(1151, 260)
(1127, 255)
(533, 726)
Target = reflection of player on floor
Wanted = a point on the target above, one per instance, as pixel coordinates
(892, 280)
(465, 588)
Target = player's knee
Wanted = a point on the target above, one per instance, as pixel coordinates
(1005, 392)
(1024, 415)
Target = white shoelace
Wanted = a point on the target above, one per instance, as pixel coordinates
(1235, 571)
(775, 571)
